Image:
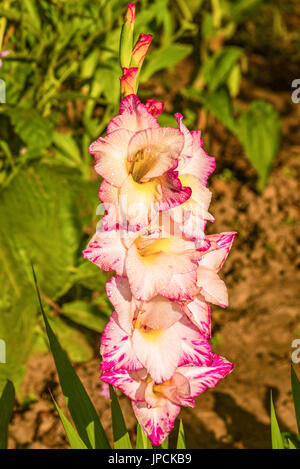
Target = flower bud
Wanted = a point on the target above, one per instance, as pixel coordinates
(140, 50)
(128, 81)
(126, 39)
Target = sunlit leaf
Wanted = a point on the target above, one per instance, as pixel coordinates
(6, 407)
(142, 441)
(277, 440)
(296, 396)
(80, 406)
(121, 436)
(181, 437)
(73, 437)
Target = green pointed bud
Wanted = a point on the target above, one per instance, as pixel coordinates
(126, 39)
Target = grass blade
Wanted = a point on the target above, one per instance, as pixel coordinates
(142, 441)
(121, 435)
(277, 440)
(73, 437)
(181, 437)
(6, 408)
(296, 396)
(165, 444)
(81, 408)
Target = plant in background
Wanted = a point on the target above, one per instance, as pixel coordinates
(287, 440)
(155, 347)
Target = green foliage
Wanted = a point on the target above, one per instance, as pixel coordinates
(6, 407)
(277, 441)
(73, 437)
(79, 404)
(142, 441)
(120, 433)
(259, 131)
(181, 437)
(287, 440)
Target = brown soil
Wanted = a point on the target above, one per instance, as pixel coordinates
(255, 331)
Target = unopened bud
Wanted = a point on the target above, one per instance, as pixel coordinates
(128, 81)
(126, 39)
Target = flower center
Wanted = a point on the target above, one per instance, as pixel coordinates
(141, 163)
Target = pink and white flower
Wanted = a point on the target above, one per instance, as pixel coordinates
(155, 260)
(209, 283)
(156, 405)
(156, 335)
(137, 160)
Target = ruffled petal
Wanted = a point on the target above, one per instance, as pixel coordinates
(130, 382)
(157, 422)
(187, 151)
(200, 165)
(119, 293)
(134, 116)
(152, 152)
(192, 215)
(116, 347)
(195, 347)
(203, 377)
(110, 154)
(198, 311)
(106, 250)
(212, 287)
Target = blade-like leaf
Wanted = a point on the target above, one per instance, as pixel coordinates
(81, 408)
(296, 396)
(142, 441)
(165, 444)
(121, 436)
(73, 437)
(277, 440)
(6, 407)
(181, 438)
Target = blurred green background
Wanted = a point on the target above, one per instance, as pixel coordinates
(62, 87)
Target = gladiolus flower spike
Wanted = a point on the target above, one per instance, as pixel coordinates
(155, 347)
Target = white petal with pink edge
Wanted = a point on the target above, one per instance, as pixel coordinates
(130, 382)
(107, 250)
(116, 347)
(198, 311)
(134, 116)
(203, 377)
(157, 422)
(195, 348)
(119, 293)
(212, 287)
(110, 154)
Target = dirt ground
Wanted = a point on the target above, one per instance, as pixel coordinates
(255, 331)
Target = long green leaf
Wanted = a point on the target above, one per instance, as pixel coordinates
(165, 444)
(81, 408)
(121, 436)
(181, 438)
(277, 440)
(6, 407)
(142, 441)
(73, 437)
(296, 396)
